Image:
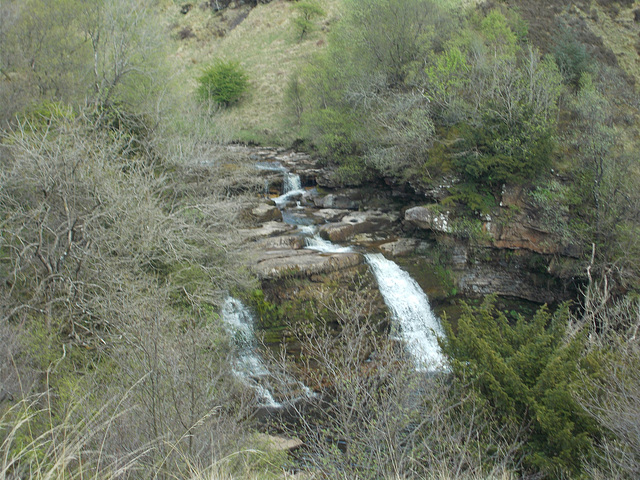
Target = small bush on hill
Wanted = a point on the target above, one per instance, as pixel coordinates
(307, 11)
(223, 83)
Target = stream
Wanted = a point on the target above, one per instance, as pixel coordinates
(412, 319)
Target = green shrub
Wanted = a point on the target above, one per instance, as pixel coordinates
(307, 11)
(526, 371)
(223, 83)
(572, 58)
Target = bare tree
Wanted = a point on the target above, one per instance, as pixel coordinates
(376, 416)
(610, 391)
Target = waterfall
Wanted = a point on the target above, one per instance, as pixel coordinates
(292, 182)
(292, 187)
(416, 323)
(248, 366)
(321, 245)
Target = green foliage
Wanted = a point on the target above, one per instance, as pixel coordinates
(352, 171)
(572, 58)
(224, 82)
(81, 53)
(387, 37)
(472, 195)
(497, 32)
(46, 112)
(446, 77)
(496, 151)
(307, 10)
(487, 105)
(269, 313)
(526, 371)
(335, 132)
(602, 197)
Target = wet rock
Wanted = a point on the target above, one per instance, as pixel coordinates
(356, 223)
(402, 247)
(302, 164)
(337, 202)
(330, 214)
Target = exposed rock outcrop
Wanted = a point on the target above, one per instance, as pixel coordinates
(356, 223)
(429, 219)
(265, 212)
(268, 229)
(403, 247)
(274, 264)
(482, 280)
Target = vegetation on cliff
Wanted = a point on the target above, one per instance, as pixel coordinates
(120, 208)
(465, 93)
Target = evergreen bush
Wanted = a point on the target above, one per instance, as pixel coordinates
(224, 82)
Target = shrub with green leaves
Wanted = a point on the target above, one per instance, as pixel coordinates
(572, 58)
(224, 82)
(525, 371)
(307, 11)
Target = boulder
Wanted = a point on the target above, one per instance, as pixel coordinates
(301, 163)
(429, 219)
(265, 212)
(356, 223)
(330, 214)
(276, 443)
(336, 201)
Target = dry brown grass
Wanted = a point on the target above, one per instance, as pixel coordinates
(265, 44)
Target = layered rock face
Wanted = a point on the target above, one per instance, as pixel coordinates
(510, 251)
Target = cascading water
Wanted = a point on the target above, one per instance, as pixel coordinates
(292, 187)
(416, 323)
(313, 241)
(414, 320)
(292, 182)
(248, 366)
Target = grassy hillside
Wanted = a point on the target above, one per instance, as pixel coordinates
(265, 43)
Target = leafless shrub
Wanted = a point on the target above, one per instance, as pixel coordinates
(120, 253)
(610, 390)
(377, 417)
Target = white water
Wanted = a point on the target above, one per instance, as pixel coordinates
(417, 325)
(292, 182)
(321, 245)
(292, 187)
(249, 366)
(415, 322)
